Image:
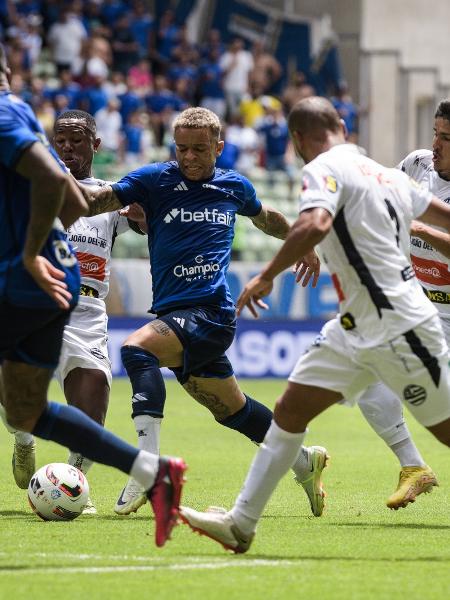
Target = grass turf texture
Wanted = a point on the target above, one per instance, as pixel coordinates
(357, 549)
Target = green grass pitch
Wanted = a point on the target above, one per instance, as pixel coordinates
(357, 549)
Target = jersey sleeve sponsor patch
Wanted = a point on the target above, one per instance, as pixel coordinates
(330, 183)
(91, 266)
(431, 271)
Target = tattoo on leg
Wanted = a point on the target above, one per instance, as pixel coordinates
(160, 327)
(209, 400)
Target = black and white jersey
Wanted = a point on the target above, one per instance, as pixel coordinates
(367, 248)
(431, 267)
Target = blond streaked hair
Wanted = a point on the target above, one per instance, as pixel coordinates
(198, 118)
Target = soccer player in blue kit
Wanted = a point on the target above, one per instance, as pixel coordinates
(191, 207)
(39, 286)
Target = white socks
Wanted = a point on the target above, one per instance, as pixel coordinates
(384, 412)
(148, 429)
(23, 438)
(275, 456)
(408, 454)
(145, 468)
(80, 462)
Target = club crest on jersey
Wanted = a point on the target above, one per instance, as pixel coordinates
(330, 183)
(415, 394)
(199, 216)
(63, 253)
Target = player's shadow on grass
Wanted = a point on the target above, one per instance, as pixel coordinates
(17, 513)
(392, 525)
(124, 518)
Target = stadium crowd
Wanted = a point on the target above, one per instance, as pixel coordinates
(135, 72)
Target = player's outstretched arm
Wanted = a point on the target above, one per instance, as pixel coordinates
(47, 189)
(100, 200)
(309, 229)
(437, 213)
(272, 222)
(48, 184)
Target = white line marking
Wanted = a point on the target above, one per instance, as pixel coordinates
(191, 564)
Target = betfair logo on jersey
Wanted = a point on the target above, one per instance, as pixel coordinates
(199, 216)
(330, 183)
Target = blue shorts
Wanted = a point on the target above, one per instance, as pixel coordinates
(32, 336)
(205, 332)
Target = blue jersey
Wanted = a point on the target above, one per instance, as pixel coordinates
(19, 129)
(190, 230)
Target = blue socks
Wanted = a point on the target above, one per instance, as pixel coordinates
(149, 390)
(253, 420)
(68, 426)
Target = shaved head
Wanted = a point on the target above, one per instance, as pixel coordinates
(314, 115)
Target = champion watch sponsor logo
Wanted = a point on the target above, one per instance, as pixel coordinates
(431, 271)
(199, 216)
(200, 270)
(181, 187)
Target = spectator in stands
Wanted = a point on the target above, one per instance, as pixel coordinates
(116, 85)
(247, 140)
(18, 58)
(230, 153)
(274, 131)
(237, 64)
(112, 10)
(67, 88)
(213, 43)
(98, 55)
(66, 38)
(109, 126)
(348, 111)
(46, 114)
(130, 100)
(124, 46)
(210, 84)
(94, 97)
(140, 77)
(297, 89)
(266, 68)
(32, 38)
(136, 140)
(165, 38)
(252, 106)
(161, 104)
(185, 69)
(185, 48)
(141, 26)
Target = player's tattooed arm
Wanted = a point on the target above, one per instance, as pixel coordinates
(272, 222)
(100, 200)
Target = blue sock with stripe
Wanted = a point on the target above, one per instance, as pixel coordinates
(149, 390)
(252, 420)
(70, 427)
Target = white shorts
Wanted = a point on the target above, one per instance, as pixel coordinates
(85, 340)
(413, 365)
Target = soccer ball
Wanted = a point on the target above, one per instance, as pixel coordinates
(58, 492)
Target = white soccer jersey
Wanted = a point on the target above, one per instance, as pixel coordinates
(92, 239)
(367, 248)
(85, 335)
(431, 267)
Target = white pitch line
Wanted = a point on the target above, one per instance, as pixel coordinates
(142, 568)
